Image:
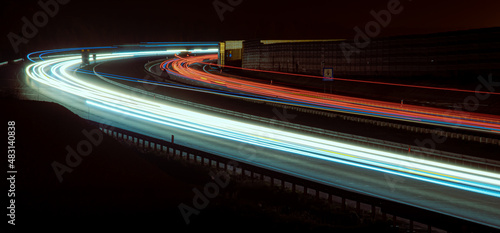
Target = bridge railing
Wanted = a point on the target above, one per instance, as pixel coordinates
(398, 215)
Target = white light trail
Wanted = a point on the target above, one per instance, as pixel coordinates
(55, 72)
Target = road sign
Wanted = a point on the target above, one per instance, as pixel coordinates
(328, 74)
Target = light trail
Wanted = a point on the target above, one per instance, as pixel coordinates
(56, 72)
(361, 81)
(367, 107)
(45, 52)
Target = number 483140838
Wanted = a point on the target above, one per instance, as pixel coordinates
(11, 140)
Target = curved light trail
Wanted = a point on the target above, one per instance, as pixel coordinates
(374, 108)
(57, 72)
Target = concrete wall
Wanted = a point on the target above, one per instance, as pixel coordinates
(452, 54)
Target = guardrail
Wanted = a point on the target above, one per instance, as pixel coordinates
(410, 219)
(415, 151)
(361, 204)
(462, 136)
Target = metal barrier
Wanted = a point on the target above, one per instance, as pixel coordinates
(400, 216)
(416, 152)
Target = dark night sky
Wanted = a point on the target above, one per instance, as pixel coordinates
(96, 23)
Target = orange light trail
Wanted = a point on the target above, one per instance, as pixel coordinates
(406, 112)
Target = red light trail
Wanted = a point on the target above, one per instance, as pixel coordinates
(375, 108)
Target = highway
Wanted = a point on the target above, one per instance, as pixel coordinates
(332, 102)
(465, 193)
